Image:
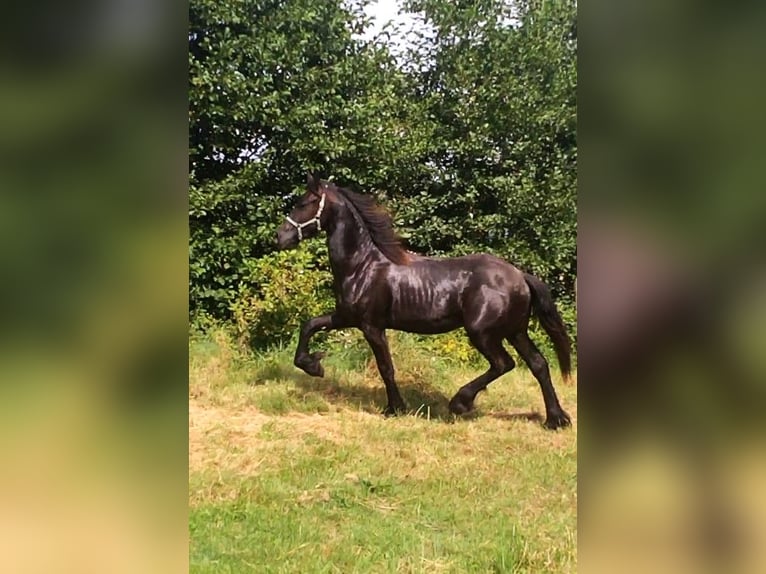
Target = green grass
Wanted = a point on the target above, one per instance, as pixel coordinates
(290, 473)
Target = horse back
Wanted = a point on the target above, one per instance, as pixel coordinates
(434, 295)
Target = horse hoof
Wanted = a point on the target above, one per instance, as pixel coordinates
(457, 406)
(557, 420)
(311, 365)
(315, 370)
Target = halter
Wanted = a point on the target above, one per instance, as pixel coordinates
(315, 219)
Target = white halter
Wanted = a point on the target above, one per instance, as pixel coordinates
(315, 219)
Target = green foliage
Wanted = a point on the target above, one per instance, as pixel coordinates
(469, 138)
(453, 347)
(499, 87)
(282, 290)
(275, 90)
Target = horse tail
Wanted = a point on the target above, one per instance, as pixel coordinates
(545, 310)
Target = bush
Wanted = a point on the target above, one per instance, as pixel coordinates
(453, 347)
(284, 289)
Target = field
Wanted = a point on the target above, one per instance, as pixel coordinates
(288, 473)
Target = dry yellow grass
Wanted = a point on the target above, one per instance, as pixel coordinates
(344, 489)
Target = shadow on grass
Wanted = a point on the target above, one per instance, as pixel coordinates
(530, 416)
(422, 399)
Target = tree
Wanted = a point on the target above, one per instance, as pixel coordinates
(278, 88)
(499, 82)
(470, 138)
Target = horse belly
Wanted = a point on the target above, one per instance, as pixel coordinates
(422, 327)
(425, 310)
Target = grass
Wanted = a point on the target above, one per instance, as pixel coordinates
(289, 473)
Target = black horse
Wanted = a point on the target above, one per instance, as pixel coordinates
(380, 285)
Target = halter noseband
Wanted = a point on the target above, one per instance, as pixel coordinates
(315, 219)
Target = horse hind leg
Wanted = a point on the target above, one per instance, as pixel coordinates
(555, 416)
(500, 362)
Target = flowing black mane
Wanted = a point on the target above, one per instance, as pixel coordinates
(378, 223)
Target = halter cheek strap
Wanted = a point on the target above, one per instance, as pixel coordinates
(315, 219)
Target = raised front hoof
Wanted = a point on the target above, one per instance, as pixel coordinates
(557, 420)
(311, 364)
(393, 411)
(460, 405)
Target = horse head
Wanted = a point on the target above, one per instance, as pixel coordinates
(308, 217)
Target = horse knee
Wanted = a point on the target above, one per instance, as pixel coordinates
(507, 364)
(539, 366)
(308, 327)
(502, 365)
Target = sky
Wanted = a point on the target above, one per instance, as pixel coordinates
(382, 11)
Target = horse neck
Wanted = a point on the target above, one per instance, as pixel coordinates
(350, 246)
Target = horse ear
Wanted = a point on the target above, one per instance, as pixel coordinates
(312, 184)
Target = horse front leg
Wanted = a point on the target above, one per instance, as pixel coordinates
(376, 338)
(311, 362)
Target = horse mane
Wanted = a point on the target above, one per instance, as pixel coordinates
(379, 225)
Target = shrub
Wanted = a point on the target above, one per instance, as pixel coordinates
(284, 289)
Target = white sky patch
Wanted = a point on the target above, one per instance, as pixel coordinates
(385, 11)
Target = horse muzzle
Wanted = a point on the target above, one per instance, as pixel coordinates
(287, 236)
